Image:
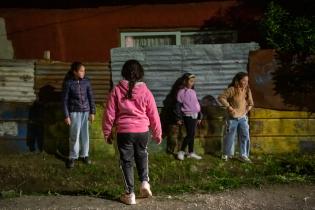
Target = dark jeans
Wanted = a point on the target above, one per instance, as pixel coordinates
(190, 125)
(133, 147)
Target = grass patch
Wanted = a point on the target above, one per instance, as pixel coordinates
(45, 174)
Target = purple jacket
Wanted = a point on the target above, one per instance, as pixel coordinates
(188, 101)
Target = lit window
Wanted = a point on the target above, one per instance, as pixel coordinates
(154, 39)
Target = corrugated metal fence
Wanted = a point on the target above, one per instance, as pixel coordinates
(17, 81)
(20, 82)
(214, 65)
(52, 73)
(16, 95)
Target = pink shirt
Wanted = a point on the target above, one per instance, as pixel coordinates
(134, 115)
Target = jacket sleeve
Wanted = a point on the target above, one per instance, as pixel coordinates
(109, 115)
(154, 118)
(91, 98)
(223, 98)
(65, 98)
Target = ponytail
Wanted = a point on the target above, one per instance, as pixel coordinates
(131, 85)
(133, 72)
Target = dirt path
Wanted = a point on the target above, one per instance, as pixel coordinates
(272, 197)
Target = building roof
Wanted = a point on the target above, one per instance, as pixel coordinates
(62, 4)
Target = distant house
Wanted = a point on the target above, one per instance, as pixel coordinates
(87, 30)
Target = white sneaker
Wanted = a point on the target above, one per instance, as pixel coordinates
(128, 199)
(181, 155)
(245, 159)
(224, 157)
(194, 156)
(145, 190)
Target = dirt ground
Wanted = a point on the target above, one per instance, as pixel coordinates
(270, 197)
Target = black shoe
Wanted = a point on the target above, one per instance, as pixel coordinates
(85, 160)
(70, 163)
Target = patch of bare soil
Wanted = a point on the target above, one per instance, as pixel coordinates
(269, 197)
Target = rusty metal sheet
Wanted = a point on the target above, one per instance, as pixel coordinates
(271, 93)
(17, 81)
(52, 74)
(214, 65)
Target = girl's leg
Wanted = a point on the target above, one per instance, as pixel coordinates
(84, 135)
(141, 155)
(126, 151)
(229, 137)
(74, 135)
(190, 125)
(243, 130)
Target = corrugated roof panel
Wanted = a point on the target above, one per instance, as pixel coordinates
(17, 81)
(53, 73)
(214, 65)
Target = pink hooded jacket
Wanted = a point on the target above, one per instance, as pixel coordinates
(134, 115)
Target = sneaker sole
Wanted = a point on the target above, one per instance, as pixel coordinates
(127, 203)
(194, 158)
(144, 193)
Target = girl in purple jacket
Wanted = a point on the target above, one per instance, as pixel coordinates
(131, 107)
(188, 113)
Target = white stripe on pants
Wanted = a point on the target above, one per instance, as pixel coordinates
(79, 135)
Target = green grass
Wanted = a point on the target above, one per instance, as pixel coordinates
(45, 174)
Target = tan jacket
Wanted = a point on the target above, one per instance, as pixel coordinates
(241, 101)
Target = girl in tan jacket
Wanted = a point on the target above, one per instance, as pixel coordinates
(237, 99)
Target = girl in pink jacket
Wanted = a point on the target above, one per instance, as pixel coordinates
(132, 108)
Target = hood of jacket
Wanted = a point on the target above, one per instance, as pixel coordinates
(137, 90)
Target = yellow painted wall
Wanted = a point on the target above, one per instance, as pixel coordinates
(275, 131)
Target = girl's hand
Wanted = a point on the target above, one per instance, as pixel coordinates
(158, 140)
(109, 139)
(68, 121)
(92, 117)
(248, 109)
(231, 110)
(179, 122)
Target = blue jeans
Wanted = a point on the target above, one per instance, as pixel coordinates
(237, 126)
(79, 135)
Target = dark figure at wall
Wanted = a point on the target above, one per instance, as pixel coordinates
(40, 115)
(171, 130)
(35, 135)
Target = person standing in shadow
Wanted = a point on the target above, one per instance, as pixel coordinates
(79, 109)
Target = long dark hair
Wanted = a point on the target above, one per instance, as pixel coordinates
(74, 67)
(236, 82)
(237, 78)
(180, 83)
(185, 79)
(133, 72)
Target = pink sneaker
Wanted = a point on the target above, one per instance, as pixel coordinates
(128, 199)
(145, 190)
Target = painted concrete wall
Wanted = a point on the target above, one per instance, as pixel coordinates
(88, 34)
(6, 49)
